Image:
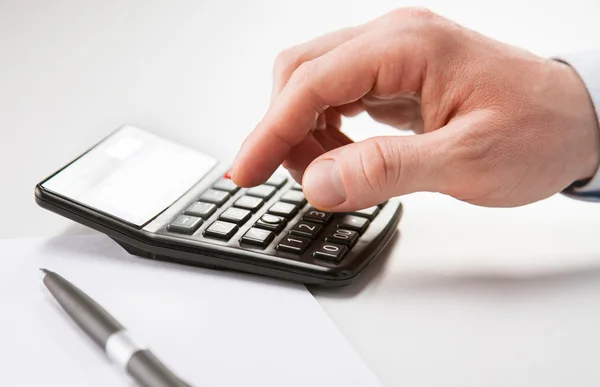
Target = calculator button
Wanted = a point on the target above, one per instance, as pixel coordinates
(296, 197)
(227, 174)
(342, 236)
(287, 210)
(315, 215)
(226, 185)
(369, 213)
(271, 222)
(330, 252)
(293, 244)
(297, 186)
(221, 230)
(257, 236)
(249, 203)
(277, 181)
(201, 209)
(185, 224)
(235, 215)
(215, 196)
(262, 191)
(351, 222)
(306, 229)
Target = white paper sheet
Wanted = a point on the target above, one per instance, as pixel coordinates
(212, 328)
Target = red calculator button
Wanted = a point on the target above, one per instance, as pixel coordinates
(227, 174)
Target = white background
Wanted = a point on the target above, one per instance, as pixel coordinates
(464, 297)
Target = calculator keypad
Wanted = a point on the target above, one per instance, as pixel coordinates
(259, 216)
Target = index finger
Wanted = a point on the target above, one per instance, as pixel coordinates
(341, 76)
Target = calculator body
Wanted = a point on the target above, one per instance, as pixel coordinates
(267, 230)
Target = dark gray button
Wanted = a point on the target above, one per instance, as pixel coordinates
(215, 196)
(271, 222)
(185, 224)
(293, 244)
(277, 181)
(314, 215)
(306, 229)
(235, 215)
(351, 222)
(203, 210)
(262, 191)
(221, 230)
(330, 252)
(342, 237)
(227, 185)
(257, 236)
(249, 203)
(287, 210)
(296, 197)
(369, 213)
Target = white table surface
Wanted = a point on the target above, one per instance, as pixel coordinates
(464, 296)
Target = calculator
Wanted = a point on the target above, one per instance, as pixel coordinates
(162, 200)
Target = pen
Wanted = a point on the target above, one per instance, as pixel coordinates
(119, 345)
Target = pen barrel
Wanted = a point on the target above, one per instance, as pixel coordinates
(86, 313)
(148, 371)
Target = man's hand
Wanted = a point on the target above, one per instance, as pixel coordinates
(496, 126)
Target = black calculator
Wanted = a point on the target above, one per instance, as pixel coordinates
(162, 200)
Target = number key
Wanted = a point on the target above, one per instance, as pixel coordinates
(293, 244)
(330, 252)
(317, 216)
(203, 210)
(295, 197)
(257, 236)
(368, 213)
(287, 210)
(262, 191)
(235, 215)
(306, 229)
(215, 196)
(221, 230)
(225, 184)
(249, 203)
(342, 237)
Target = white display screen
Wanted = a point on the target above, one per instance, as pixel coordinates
(133, 175)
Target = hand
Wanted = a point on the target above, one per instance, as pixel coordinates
(496, 126)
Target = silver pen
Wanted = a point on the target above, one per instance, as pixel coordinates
(119, 345)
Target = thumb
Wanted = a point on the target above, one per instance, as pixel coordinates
(369, 172)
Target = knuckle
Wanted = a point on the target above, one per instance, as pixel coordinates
(379, 163)
(287, 61)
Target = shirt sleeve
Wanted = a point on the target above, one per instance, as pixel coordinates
(587, 65)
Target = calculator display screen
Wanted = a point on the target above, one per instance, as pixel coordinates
(132, 175)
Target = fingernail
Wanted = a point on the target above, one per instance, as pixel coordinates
(323, 184)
